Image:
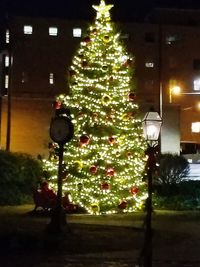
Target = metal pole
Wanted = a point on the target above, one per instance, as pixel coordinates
(160, 71)
(59, 191)
(160, 79)
(0, 119)
(8, 134)
(148, 223)
(58, 218)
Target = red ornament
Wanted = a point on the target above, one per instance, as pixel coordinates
(122, 205)
(84, 140)
(87, 40)
(52, 145)
(131, 97)
(111, 140)
(110, 172)
(127, 63)
(93, 169)
(57, 104)
(105, 186)
(134, 190)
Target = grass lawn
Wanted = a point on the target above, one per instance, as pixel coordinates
(176, 236)
(88, 233)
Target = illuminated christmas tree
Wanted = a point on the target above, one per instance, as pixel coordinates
(104, 162)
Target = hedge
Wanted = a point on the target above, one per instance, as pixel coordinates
(182, 196)
(19, 176)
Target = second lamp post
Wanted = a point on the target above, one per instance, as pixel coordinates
(151, 127)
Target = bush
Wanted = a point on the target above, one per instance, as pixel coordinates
(19, 174)
(182, 196)
(173, 169)
(170, 189)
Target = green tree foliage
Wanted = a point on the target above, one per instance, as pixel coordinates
(19, 175)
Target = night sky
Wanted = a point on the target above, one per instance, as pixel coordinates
(81, 9)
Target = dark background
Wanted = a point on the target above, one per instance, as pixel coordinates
(122, 10)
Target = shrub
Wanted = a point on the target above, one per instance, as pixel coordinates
(19, 174)
(171, 190)
(173, 169)
(182, 196)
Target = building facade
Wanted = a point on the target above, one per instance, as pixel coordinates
(36, 54)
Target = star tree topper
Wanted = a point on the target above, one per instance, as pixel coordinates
(102, 9)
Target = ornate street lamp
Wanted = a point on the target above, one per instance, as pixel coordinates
(151, 126)
(61, 132)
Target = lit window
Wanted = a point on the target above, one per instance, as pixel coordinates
(77, 32)
(196, 85)
(53, 31)
(6, 61)
(7, 37)
(196, 127)
(149, 64)
(28, 29)
(51, 78)
(171, 39)
(6, 81)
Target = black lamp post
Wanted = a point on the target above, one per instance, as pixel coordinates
(151, 127)
(61, 132)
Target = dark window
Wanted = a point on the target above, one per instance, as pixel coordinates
(190, 148)
(24, 77)
(172, 63)
(196, 64)
(149, 37)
